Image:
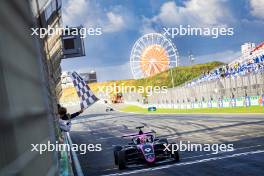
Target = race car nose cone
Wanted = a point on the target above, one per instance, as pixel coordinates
(150, 158)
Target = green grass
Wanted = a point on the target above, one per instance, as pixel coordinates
(252, 109)
(180, 75)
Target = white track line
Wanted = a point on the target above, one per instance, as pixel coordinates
(235, 149)
(187, 163)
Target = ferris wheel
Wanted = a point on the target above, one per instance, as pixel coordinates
(151, 54)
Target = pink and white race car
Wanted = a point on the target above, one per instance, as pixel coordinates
(145, 148)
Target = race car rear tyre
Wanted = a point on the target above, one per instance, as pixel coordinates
(116, 150)
(176, 156)
(121, 160)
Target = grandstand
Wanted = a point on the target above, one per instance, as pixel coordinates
(251, 60)
(240, 83)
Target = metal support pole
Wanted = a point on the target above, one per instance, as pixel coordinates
(172, 80)
(75, 158)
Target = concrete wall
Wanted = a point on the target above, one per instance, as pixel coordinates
(240, 86)
(27, 99)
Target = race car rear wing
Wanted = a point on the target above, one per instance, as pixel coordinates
(136, 134)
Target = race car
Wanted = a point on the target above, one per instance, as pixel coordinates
(145, 148)
(152, 108)
(108, 109)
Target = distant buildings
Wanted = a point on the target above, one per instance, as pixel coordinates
(66, 80)
(89, 77)
(246, 48)
(249, 51)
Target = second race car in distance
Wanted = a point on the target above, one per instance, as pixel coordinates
(145, 148)
(109, 109)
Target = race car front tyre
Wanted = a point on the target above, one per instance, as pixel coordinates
(176, 156)
(121, 160)
(116, 150)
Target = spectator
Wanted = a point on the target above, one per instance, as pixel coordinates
(253, 65)
(64, 121)
(64, 116)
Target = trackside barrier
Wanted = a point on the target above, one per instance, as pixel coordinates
(239, 86)
(65, 160)
(76, 162)
(221, 103)
(136, 104)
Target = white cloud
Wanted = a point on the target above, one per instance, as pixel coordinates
(91, 14)
(74, 10)
(110, 72)
(146, 26)
(209, 13)
(257, 8)
(115, 22)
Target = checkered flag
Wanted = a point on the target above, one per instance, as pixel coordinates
(87, 97)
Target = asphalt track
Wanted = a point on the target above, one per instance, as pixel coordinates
(245, 132)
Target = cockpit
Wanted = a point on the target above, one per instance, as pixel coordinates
(142, 139)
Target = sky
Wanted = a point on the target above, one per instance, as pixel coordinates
(124, 21)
